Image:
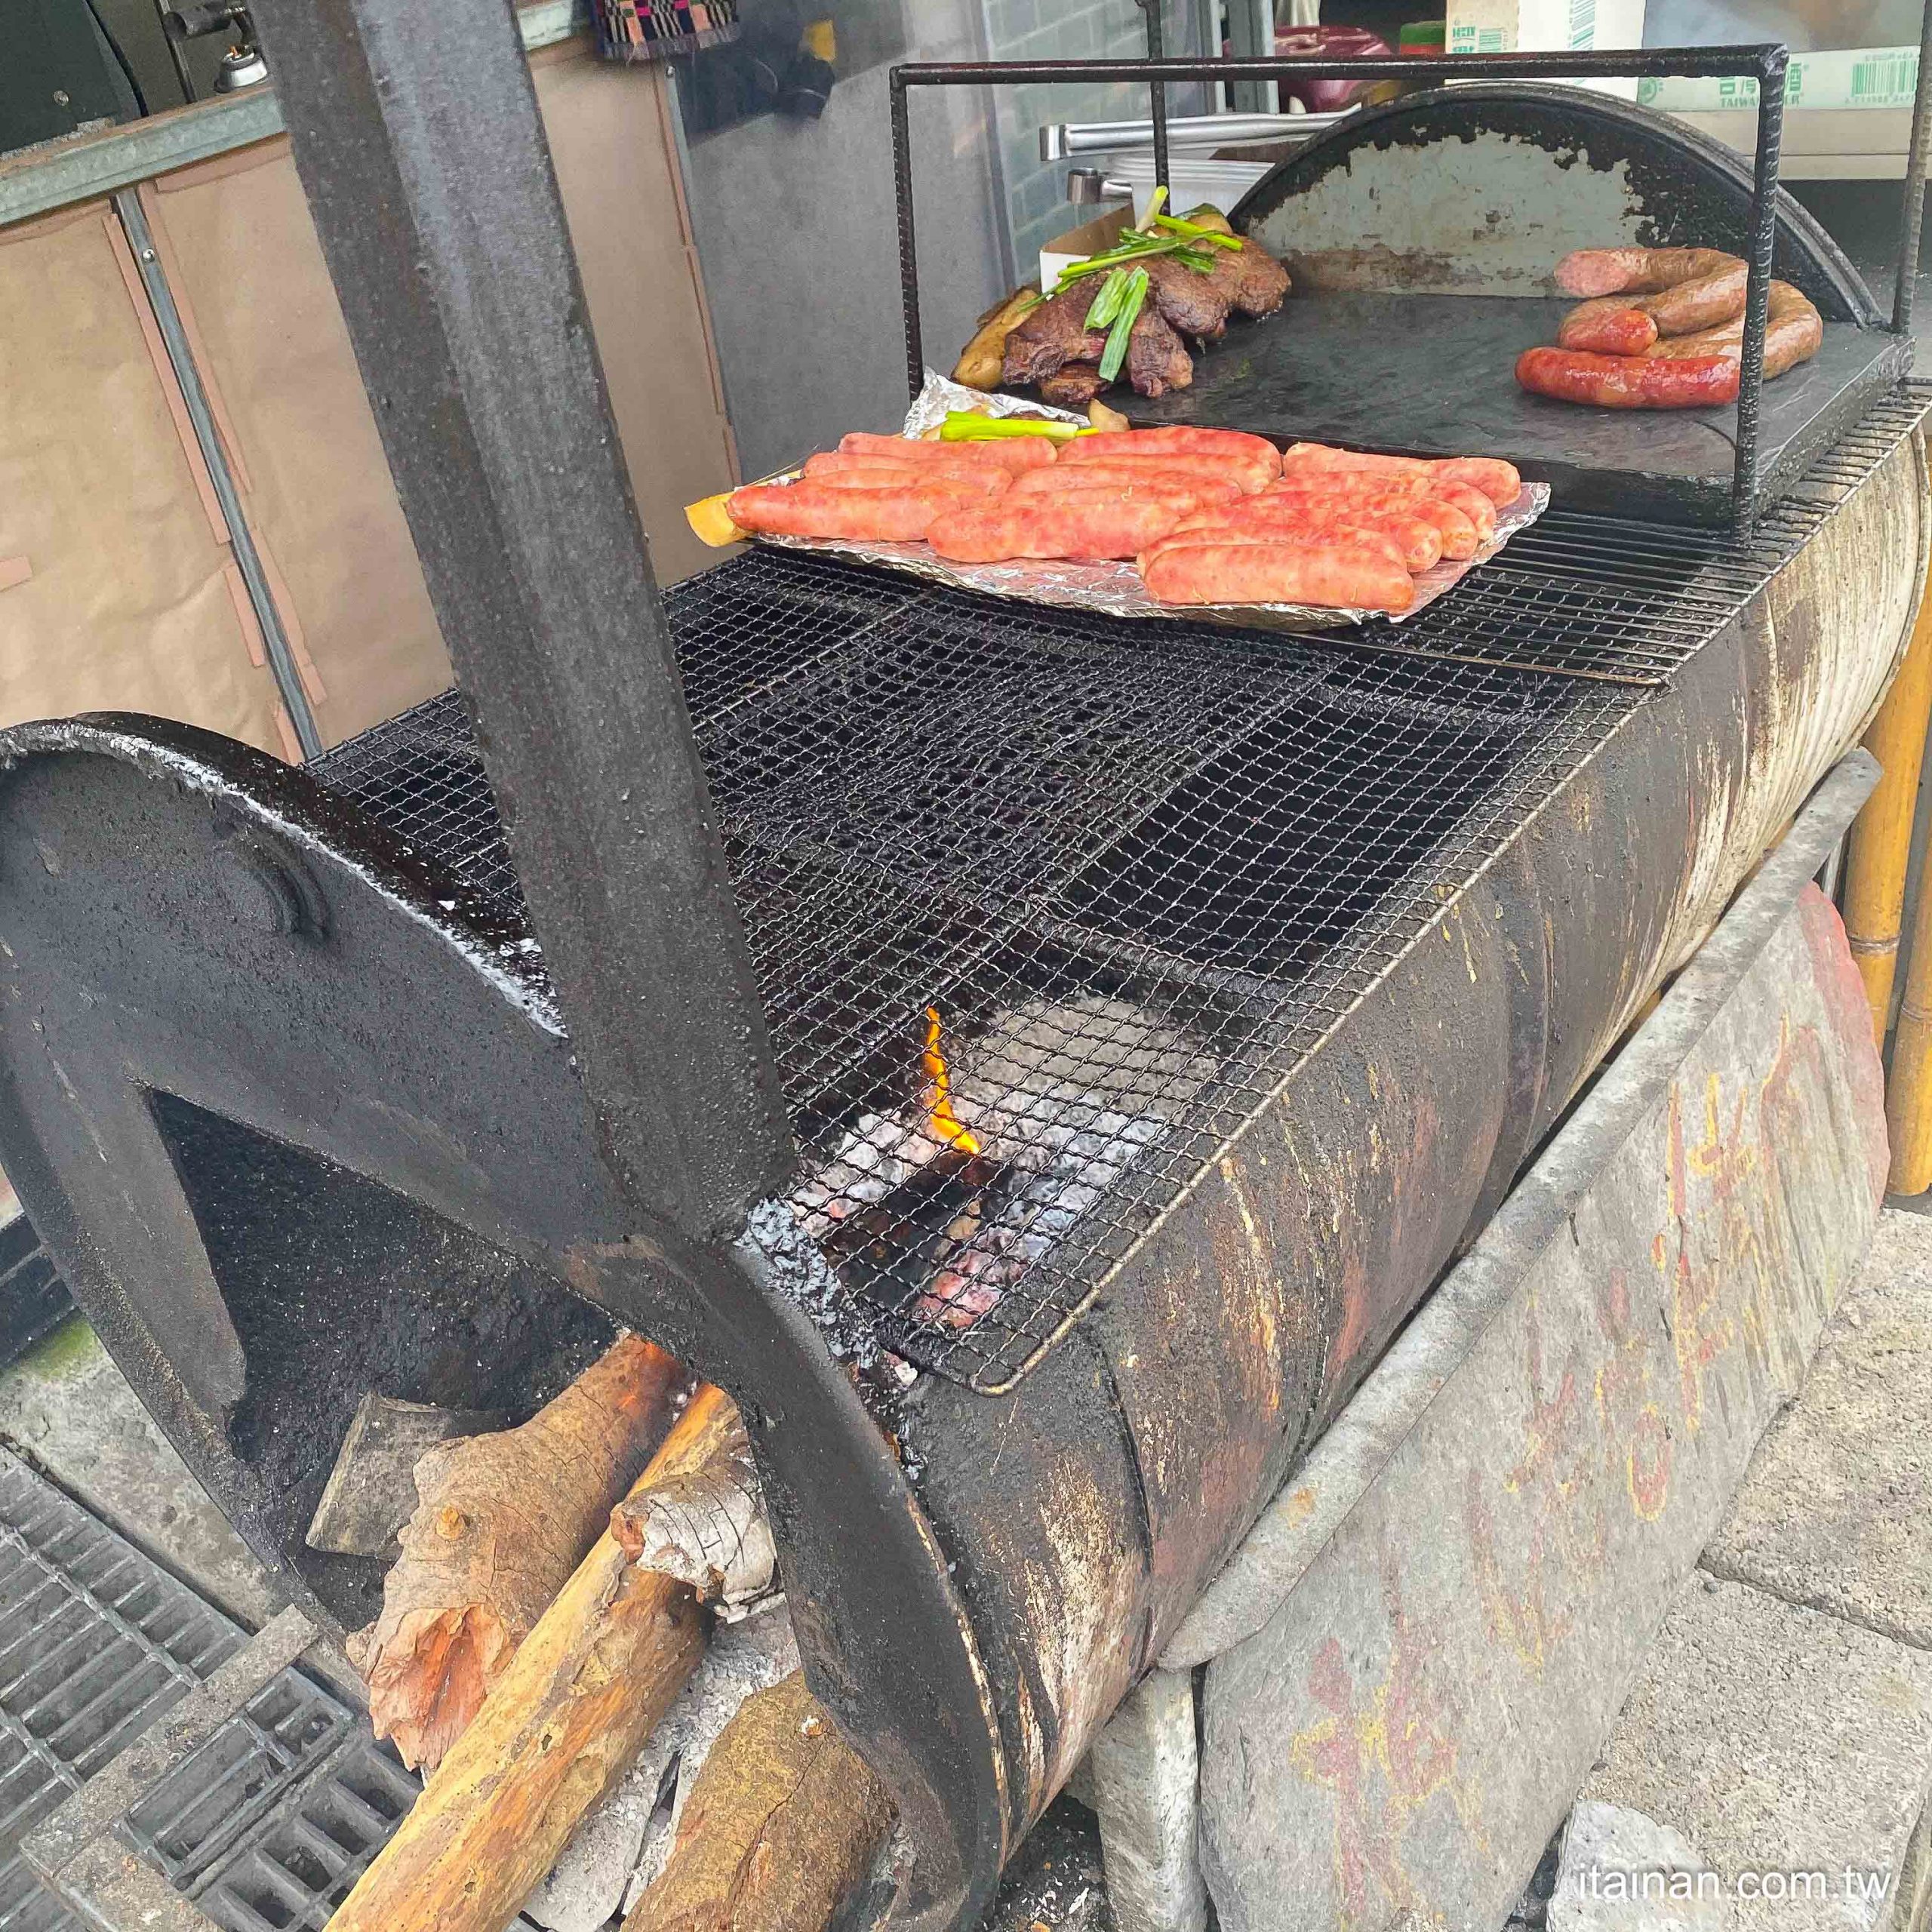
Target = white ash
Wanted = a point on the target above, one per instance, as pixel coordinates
(878, 1153)
(741, 1659)
(623, 1842)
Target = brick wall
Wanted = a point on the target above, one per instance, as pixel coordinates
(1036, 191)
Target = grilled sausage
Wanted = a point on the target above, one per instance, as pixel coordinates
(1501, 482)
(1013, 453)
(1243, 466)
(1637, 271)
(1607, 326)
(1793, 331)
(1415, 542)
(1176, 441)
(897, 515)
(1087, 478)
(1459, 537)
(1211, 572)
(866, 472)
(1628, 382)
(1229, 527)
(1472, 503)
(1089, 528)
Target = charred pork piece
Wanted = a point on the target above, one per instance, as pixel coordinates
(1053, 335)
(1072, 387)
(1250, 278)
(1189, 302)
(1157, 361)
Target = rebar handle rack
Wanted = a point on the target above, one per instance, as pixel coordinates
(1764, 63)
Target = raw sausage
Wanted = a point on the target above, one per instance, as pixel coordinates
(1608, 326)
(1636, 270)
(1249, 471)
(1793, 331)
(1013, 453)
(1208, 572)
(1501, 482)
(897, 515)
(1090, 528)
(1174, 442)
(1472, 503)
(1087, 478)
(1628, 382)
(868, 472)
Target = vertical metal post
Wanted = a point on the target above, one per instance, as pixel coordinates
(1912, 208)
(418, 140)
(1757, 283)
(282, 666)
(1158, 91)
(1250, 34)
(908, 245)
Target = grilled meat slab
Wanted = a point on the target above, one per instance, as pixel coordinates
(1189, 302)
(1053, 335)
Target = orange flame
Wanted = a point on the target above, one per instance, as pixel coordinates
(941, 1121)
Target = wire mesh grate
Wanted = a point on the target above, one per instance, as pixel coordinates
(1043, 905)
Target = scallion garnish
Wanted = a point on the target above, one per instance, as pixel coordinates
(1195, 232)
(1106, 304)
(1129, 312)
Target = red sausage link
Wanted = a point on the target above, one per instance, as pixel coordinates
(1628, 382)
(898, 514)
(1091, 527)
(1608, 326)
(1013, 453)
(1636, 270)
(1219, 573)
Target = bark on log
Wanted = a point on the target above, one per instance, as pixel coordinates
(588, 1687)
(503, 1520)
(783, 1824)
(708, 1530)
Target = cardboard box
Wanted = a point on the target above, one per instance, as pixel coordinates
(1077, 244)
(1861, 78)
(1547, 26)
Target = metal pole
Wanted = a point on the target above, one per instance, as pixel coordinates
(416, 135)
(1912, 214)
(282, 666)
(908, 246)
(1757, 282)
(1158, 91)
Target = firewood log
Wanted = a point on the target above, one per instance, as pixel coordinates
(503, 1520)
(589, 1686)
(782, 1825)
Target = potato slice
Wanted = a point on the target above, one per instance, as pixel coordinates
(711, 522)
(983, 362)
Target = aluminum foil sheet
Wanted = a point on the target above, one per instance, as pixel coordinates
(1115, 588)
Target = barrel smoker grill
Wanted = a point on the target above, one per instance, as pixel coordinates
(1260, 964)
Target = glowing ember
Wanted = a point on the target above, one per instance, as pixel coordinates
(941, 1122)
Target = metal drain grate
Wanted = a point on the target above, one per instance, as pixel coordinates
(266, 1827)
(1138, 870)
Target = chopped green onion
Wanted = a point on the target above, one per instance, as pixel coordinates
(968, 425)
(1106, 304)
(1173, 224)
(1158, 201)
(1115, 352)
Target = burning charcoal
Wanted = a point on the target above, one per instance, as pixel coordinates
(879, 1153)
(1072, 1162)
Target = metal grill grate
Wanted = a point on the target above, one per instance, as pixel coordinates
(267, 1826)
(1136, 870)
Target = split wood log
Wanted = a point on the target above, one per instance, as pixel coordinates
(589, 1686)
(781, 1826)
(501, 1522)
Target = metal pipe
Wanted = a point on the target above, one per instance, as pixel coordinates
(417, 138)
(282, 666)
(1063, 140)
(1911, 214)
(1879, 851)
